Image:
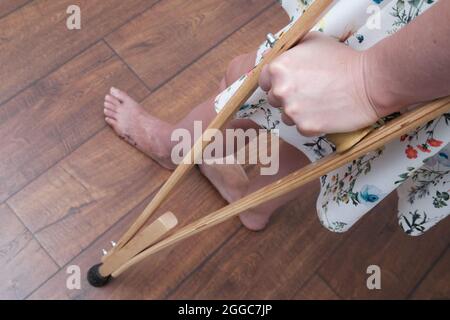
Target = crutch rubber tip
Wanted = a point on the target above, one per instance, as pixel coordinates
(94, 277)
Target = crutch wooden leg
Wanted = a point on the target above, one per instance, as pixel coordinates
(303, 25)
(99, 274)
(289, 39)
(374, 140)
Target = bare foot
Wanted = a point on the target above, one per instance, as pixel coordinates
(232, 183)
(136, 126)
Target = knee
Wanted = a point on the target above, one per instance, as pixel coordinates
(239, 66)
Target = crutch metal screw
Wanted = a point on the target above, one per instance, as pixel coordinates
(271, 39)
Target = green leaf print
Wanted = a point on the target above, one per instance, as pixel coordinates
(414, 222)
(337, 226)
(340, 189)
(404, 14)
(423, 179)
(440, 199)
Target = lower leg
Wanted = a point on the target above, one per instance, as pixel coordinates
(257, 218)
(233, 184)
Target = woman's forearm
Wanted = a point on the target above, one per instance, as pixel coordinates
(413, 65)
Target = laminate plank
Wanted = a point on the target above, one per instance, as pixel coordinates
(52, 118)
(24, 265)
(273, 264)
(80, 198)
(436, 284)
(177, 97)
(315, 289)
(160, 42)
(34, 40)
(8, 6)
(156, 276)
(378, 240)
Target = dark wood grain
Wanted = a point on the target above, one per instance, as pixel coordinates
(436, 284)
(24, 265)
(82, 196)
(56, 115)
(378, 240)
(273, 264)
(177, 97)
(34, 40)
(315, 289)
(156, 276)
(174, 33)
(8, 6)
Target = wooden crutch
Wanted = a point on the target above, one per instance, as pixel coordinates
(131, 249)
(99, 274)
(374, 140)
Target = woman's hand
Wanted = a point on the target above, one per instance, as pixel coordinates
(320, 86)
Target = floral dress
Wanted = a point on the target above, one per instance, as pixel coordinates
(417, 165)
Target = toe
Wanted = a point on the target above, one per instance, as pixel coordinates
(110, 113)
(111, 99)
(254, 221)
(110, 106)
(119, 94)
(112, 122)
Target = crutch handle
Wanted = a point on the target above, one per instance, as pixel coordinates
(345, 141)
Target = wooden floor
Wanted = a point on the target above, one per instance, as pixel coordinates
(68, 185)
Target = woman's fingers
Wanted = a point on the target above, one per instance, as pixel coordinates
(275, 80)
(273, 100)
(264, 79)
(287, 120)
(265, 83)
(308, 133)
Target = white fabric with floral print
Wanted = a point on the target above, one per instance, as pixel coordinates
(417, 165)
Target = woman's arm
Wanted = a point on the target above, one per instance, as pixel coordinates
(325, 86)
(413, 65)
